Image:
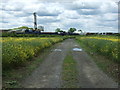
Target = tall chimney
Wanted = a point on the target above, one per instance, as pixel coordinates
(35, 21)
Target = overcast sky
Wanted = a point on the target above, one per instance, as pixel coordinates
(88, 15)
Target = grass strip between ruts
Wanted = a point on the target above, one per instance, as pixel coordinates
(69, 73)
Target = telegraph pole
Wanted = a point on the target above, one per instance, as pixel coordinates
(35, 21)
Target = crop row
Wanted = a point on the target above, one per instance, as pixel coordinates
(16, 51)
(105, 46)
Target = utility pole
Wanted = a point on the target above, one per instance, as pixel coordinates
(35, 21)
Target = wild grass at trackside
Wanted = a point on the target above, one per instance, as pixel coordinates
(104, 47)
(12, 77)
(69, 73)
(16, 51)
(104, 60)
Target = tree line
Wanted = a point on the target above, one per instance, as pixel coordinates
(71, 30)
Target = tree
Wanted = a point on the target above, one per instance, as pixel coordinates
(58, 30)
(71, 30)
(80, 31)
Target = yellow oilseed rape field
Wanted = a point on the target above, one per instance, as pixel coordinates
(16, 51)
(104, 45)
(103, 38)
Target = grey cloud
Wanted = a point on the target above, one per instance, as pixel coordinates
(109, 7)
(96, 7)
(82, 5)
(19, 13)
(69, 14)
(48, 20)
(22, 14)
(46, 13)
(28, 19)
(88, 11)
(43, 9)
(5, 21)
(12, 6)
(67, 23)
(108, 24)
(108, 17)
(78, 14)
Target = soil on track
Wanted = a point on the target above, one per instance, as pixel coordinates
(48, 74)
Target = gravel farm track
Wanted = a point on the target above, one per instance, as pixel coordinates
(48, 74)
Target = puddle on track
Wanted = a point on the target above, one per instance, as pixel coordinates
(75, 45)
(77, 49)
(57, 50)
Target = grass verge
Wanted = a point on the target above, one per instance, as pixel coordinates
(107, 66)
(69, 73)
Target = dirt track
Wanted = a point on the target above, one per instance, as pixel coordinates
(48, 74)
